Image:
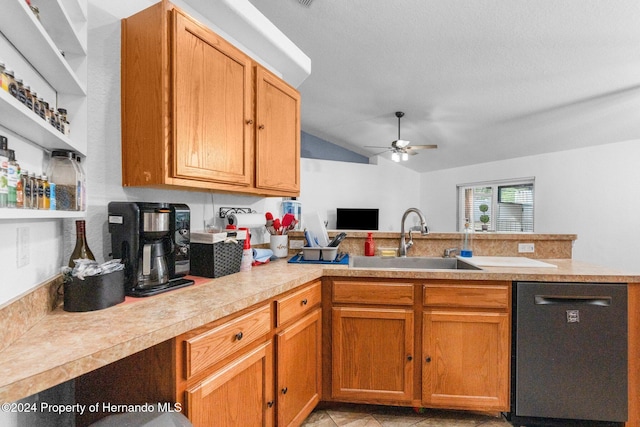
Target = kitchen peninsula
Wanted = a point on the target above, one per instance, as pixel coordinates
(60, 346)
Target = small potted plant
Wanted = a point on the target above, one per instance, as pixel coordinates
(484, 218)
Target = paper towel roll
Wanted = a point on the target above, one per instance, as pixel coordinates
(252, 220)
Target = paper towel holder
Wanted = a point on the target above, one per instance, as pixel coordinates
(223, 212)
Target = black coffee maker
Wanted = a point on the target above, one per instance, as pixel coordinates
(152, 239)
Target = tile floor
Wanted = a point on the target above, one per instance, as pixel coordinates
(385, 416)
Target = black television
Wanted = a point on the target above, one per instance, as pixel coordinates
(357, 219)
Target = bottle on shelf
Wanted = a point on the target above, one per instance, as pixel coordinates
(44, 202)
(20, 190)
(63, 171)
(369, 245)
(81, 250)
(39, 200)
(4, 172)
(13, 176)
(33, 193)
(81, 192)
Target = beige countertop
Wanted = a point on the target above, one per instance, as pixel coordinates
(62, 345)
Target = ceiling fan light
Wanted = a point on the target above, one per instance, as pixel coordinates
(395, 157)
(405, 156)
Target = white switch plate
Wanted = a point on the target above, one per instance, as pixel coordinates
(296, 244)
(22, 247)
(526, 248)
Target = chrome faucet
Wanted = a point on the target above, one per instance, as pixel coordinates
(402, 250)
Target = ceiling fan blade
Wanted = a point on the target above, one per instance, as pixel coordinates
(422, 147)
(381, 152)
(376, 146)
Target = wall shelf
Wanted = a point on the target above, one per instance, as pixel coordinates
(27, 34)
(16, 117)
(25, 214)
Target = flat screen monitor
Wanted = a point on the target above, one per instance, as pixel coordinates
(357, 219)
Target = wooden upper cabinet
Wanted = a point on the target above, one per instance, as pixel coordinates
(212, 104)
(277, 134)
(190, 108)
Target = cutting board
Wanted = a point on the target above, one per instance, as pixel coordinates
(507, 261)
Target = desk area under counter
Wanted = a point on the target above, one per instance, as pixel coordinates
(62, 346)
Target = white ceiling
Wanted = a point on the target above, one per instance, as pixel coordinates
(485, 80)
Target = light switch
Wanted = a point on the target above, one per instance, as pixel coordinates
(526, 248)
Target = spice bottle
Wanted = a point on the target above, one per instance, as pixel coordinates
(13, 175)
(4, 173)
(369, 245)
(4, 80)
(64, 122)
(38, 201)
(20, 190)
(33, 186)
(44, 201)
(81, 250)
(12, 86)
(21, 95)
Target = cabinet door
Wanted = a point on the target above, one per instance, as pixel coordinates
(277, 134)
(465, 360)
(212, 94)
(299, 361)
(239, 394)
(372, 354)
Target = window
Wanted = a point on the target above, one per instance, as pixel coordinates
(507, 205)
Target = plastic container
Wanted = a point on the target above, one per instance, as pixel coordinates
(63, 171)
(319, 253)
(467, 241)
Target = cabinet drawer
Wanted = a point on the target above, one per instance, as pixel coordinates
(474, 296)
(372, 292)
(298, 303)
(209, 347)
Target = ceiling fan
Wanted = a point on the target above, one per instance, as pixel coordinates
(401, 148)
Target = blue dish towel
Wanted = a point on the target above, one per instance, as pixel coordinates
(262, 255)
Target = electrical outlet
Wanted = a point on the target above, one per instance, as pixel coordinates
(296, 244)
(526, 248)
(22, 247)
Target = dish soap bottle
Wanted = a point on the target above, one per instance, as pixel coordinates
(247, 253)
(369, 245)
(467, 236)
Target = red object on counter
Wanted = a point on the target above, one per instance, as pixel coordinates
(369, 245)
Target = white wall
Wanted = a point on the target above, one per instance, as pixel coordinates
(592, 192)
(327, 185)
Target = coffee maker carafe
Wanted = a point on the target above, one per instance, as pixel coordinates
(143, 236)
(152, 256)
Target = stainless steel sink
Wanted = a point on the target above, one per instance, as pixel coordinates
(423, 263)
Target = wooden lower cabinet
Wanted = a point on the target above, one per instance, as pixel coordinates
(299, 367)
(465, 360)
(372, 355)
(238, 394)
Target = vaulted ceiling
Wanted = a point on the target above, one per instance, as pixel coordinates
(484, 79)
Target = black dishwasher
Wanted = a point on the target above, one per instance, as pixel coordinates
(569, 358)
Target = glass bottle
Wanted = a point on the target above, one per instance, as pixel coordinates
(81, 251)
(44, 202)
(39, 199)
(4, 80)
(20, 190)
(12, 86)
(33, 186)
(64, 121)
(13, 176)
(4, 172)
(82, 185)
